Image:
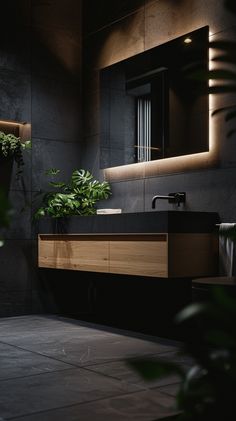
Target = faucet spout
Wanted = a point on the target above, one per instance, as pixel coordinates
(158, 196)
(179, 197)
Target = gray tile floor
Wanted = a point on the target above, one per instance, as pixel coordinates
(54, 368)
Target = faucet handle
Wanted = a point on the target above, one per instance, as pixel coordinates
(178, 197)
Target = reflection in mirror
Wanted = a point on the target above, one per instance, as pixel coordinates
(152, 107)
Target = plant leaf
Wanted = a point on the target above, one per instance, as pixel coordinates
(57, 184)
(231, 132)
(52, 171)
(151, 370)
(225, 58)
(190, 311)
(223, 109)
(225, 45)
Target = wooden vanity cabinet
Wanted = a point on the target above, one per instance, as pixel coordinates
(153, 255)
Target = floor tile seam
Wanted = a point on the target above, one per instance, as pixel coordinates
(108, 339)
(81, 365)
(114, 331)
(107, 376)
(166, 385)
(46, 316)
(36, 374)
(72, 368)
(54, 329)
(127, 333)
(72, 365)
(118, 360)
(127, 382)
(119, 395)
(132, 383)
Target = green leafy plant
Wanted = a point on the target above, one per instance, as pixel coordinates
(207, 389)
(222, 76)
(77, 197)
(12, 146)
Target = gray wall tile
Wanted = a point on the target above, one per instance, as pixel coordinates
(48, 154)
(209, 189)
(55, 109)
(56, 53)
(40, 62)
(56, 14)
(114, 11)
(15, 96)
(15, 47)
(16, 266)
(20, 223)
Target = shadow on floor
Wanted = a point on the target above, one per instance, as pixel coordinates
(144, 305)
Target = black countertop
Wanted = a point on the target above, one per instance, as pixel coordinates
(142, 222)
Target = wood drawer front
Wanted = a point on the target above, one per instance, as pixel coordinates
(75, 254)
(144, 258)
(155, 255)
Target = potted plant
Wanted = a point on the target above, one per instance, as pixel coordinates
(207, 389)
(77, 197)
(13, 147)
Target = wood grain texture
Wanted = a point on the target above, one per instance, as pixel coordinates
(144, 258)
(192, 255)
(85, 255)
(155, 255)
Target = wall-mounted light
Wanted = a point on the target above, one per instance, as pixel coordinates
(188, 40)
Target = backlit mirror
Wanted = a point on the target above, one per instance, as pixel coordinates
(153, 105)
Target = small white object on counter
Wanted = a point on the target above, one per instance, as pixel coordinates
(108, 211)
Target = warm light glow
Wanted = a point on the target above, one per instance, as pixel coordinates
(12, 123)
(188, 40)
(147, 147)
(211, 104)
(174, 164)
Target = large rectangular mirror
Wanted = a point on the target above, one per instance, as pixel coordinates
(153, 106)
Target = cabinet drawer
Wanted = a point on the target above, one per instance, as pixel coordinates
(140, 257)
(73, 252)
(155, 255)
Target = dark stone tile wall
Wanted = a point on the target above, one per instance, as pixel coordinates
(40, 83)
(104, 12)
(123, 29)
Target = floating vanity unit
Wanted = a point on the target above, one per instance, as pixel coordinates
(162, 244)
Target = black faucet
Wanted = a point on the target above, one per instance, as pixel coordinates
(179, 197)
